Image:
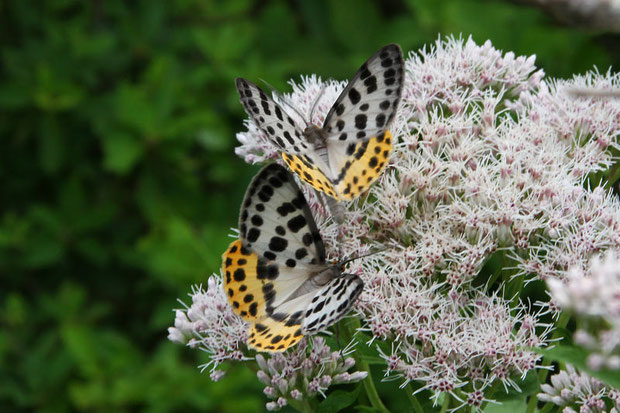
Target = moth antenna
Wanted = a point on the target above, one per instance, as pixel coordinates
(285, 101)
(316, 101)
(348, 260)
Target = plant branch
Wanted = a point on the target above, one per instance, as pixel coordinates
(349, 329)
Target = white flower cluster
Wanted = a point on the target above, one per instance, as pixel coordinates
(468, 343)
(578, 392)
(594, 294)
(490, 160)
(210, 324)
(303, 372)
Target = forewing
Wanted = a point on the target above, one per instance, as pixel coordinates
(331, 303)
(279, 246)
(281, 129)
(358, 142)
(276, 222)
(368, 103)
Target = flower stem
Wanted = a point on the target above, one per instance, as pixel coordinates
(542, 374)
(302, 405)
(548, 406)
(531, 404)
(349, 328)
(446, 403)
(415, 404)
(489, 393)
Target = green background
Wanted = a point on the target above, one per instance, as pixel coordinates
(119, 183)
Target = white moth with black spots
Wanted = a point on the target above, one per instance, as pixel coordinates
(345, 155)
(275, 274)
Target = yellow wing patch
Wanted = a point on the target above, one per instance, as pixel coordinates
(364, 166)
(241, 283)
(273, 335)
(249, 294)
(310, 174)
(246, 294)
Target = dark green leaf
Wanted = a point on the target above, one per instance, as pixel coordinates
(577, 356)
(338, 400)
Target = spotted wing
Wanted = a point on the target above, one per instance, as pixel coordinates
(306, 314)
(276, 222)
(368, 103)
(273, 335)
(360, 165)
(331, 303)
(279, 246)
(279, 127)
(256, 287)
(358, 142)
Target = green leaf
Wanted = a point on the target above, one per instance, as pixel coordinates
(122, 151)
(338, 400)
(577, 356)
(510, 406)
(367, 409)
(82, 345)
(355, 23)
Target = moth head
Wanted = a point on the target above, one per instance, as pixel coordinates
(315, 135)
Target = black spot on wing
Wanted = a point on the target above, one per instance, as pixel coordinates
(354, 96)
(296, 223)
(278, 244)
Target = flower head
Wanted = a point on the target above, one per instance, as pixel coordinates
(305, 371)
(594, 292)
(572, 389)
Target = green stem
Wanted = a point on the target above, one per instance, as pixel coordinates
(531, 404)
(489, 393)
(349, 328)
(415, 404)
(302, 405)
(562, 322)
(547, 407)
(446, 403)
(542, 374)
(461, 395)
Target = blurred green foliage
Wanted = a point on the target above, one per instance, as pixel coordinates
(119, 181)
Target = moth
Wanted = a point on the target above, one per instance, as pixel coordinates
(275, 275)
(346, 154)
